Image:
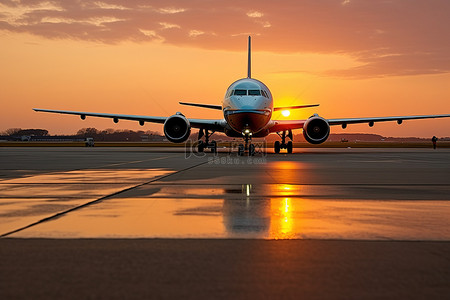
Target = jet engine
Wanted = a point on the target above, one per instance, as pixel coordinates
(316, 130)
(177, 128)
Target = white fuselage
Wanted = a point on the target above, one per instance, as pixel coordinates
(247, 106)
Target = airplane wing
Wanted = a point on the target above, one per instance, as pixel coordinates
(280, 125)
(371, 121)
(218, 125)
(214, 124)
(115, 117)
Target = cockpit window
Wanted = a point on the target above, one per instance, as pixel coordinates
(254, 92)
(264, 94)
(240, 92)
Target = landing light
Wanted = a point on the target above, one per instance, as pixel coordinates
(286, 113)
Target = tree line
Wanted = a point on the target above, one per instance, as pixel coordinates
(98, 135)
(119, 134)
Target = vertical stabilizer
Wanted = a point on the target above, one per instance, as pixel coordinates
(249, 66)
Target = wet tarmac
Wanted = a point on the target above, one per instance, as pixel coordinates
(136, 223)
(349, 194)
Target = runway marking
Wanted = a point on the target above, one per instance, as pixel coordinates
(60, 214)
(132, 162)
(89, 168)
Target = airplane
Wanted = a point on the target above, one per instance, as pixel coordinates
(247, 112)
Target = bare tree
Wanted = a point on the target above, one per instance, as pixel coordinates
(11, 131)
(88, 132)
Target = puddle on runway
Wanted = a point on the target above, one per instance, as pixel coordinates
(67, 191)
(26, 200)
(17, 213)
(89, 176)
(242, 211)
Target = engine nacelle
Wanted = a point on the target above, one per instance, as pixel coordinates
(316, 130)
(177, 128)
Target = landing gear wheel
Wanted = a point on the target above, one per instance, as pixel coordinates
(213, 147)
(251, 150)
(289, 147)
(200, 146)
(277, 147)
(241, 149)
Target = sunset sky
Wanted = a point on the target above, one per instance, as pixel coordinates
(356, 58)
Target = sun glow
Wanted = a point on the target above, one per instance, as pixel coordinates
(285, 113)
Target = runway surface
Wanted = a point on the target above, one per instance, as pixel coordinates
(336, 194)
(365, 223)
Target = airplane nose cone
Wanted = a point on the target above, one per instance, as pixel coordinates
(243, 119)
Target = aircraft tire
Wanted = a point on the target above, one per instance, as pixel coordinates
(200, 146)
(277, 147)
(289, 147)
(251, 150)
(213, 147)
(241, 149)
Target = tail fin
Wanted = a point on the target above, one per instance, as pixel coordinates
(249, 66)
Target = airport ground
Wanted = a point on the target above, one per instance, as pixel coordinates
(165, 223)
(228, 144)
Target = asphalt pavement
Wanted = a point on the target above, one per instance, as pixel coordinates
(320, 223)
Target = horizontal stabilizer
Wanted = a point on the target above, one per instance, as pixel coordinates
(210, 106)
(294, 107)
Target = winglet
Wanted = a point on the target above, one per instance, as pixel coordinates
(249, 66)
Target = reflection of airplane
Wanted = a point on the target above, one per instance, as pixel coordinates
(247, 108)
(253, 215)
(247, 215)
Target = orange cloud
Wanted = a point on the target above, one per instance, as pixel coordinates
(386, 37)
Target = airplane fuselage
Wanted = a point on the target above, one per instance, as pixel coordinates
(247, 107)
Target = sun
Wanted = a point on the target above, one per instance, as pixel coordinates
(286, 113)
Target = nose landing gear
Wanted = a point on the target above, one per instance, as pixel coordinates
(248, 145)
(283, 145)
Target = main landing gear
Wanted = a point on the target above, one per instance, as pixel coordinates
(202, 145)
(248, 146)
(283, 145)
